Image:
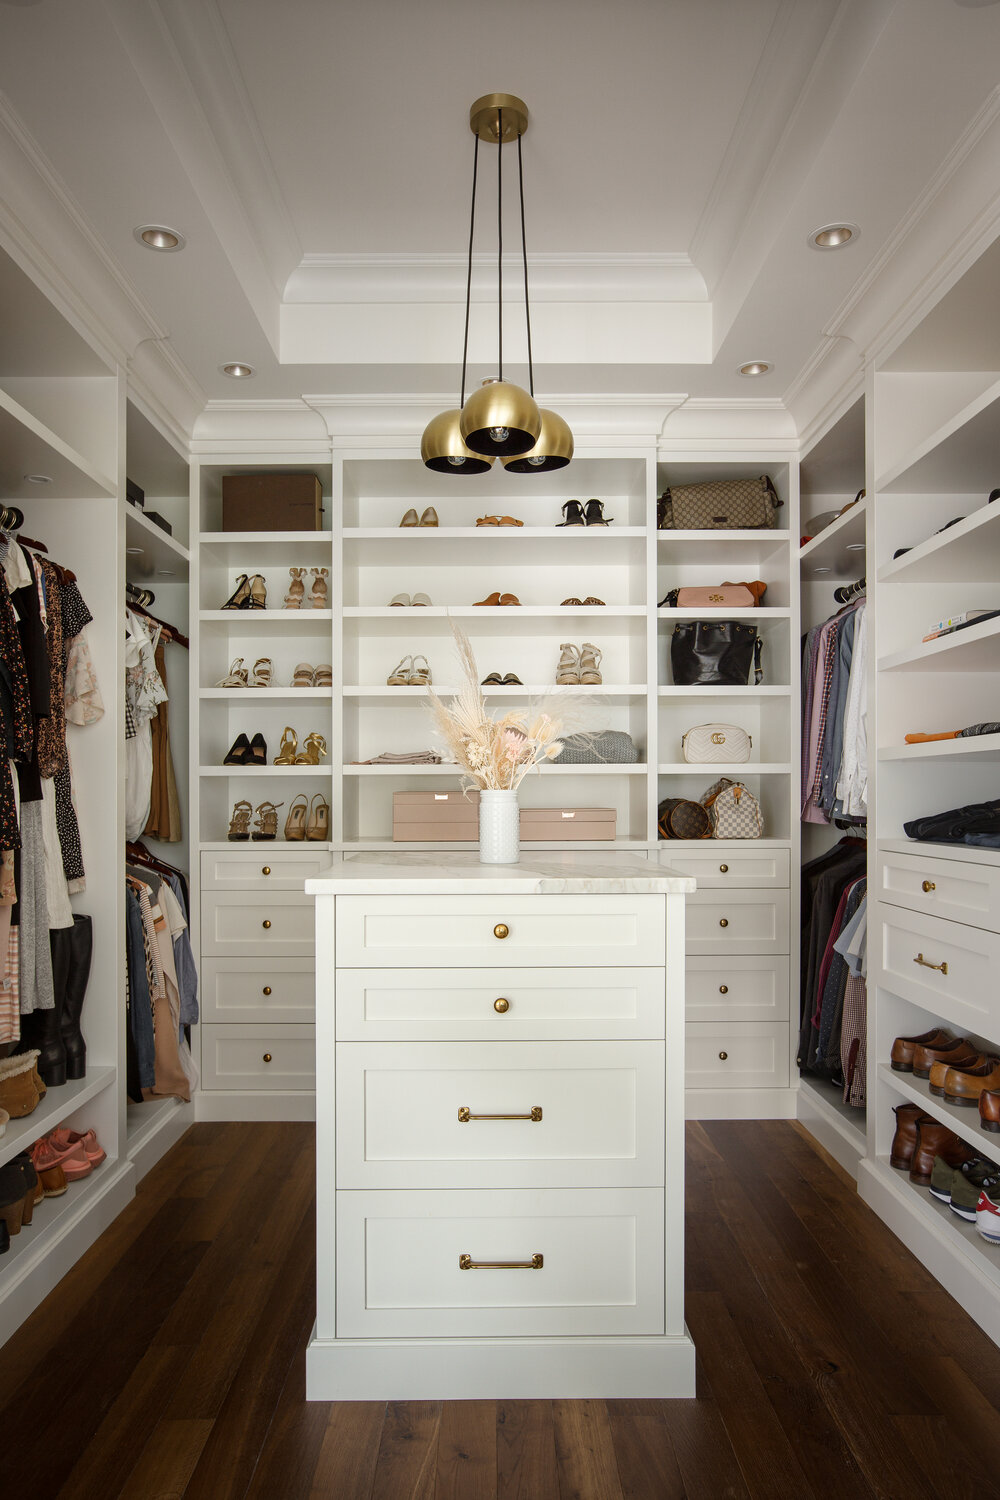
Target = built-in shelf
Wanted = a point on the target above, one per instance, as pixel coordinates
(976, 747)
(960, 1240)
(959, 456)
(528, 690)
(970, 852)
(27, 446)
(715, 536)
(58, 1103)
(713, 692)
(268, 770)
(976, 649)
(261, 538)
(239, 697)
(160, 552)
(284, 619)
(968, 552)
(839, 549)
(488, 533)
(961, 1119)
(718, 768)
(597, 768)
(840, 1128)
(474, 611)
(760, 612)
(457, 846)
(52, 1217)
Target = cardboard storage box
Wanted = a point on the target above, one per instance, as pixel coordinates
(453, 818)
(272, 502)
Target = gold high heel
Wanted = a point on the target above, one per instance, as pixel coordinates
(267, 821)
(319, 818)
(239, 823)
(287, 748)
(314, 746)
(295, 823)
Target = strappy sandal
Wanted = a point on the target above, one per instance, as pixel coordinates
(400, 676)
(319, 597)
(323, 676)
(420, 676)
(296, 589)
(594, 514)
(236, 676)
(590, 661)
(315, 746)
(303, 675)
(488, 521)
(286, 750)
(239, 823)
(263, 671)
(319, 818)
(568, 670)
(510, 521)
(574, 516)
(240, 597)
(295, 822)
(258, 592)
(267, 822)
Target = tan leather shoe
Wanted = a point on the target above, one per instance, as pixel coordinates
(957, 1053)
(936, 1140)
(901, 1056)
(980, 1064)
(963, 1086)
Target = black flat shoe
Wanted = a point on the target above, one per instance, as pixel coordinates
(594, 514)
(256, 752)
(239, 752)
(575, 516)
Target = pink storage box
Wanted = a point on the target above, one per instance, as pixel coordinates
(453, 818)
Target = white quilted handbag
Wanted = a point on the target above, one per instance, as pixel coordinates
(716, 742)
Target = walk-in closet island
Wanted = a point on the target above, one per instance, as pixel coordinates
(500, 1118)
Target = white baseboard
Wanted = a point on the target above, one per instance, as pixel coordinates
(149, 1140)
(843, 1139)
(740, 1104)
(219, 1104)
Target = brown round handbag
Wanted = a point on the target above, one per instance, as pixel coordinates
(678, 818)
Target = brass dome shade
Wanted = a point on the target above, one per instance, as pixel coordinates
(500, 420)
(442, 448)
(553, 450)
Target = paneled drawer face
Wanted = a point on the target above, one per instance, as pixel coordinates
(258, 1057)
(947, 967)
(262, 867)
(275, 922)
(498, 1004)
(743, 1055)
(442, 931)
(737, 922)
(599, 1266)
(515, 1114)
(757, 867)
(258, 990)
(737, 987)
(942, 888)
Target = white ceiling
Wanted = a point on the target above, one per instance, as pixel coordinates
(317, 156)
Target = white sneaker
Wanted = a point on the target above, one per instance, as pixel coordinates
(988, 1215)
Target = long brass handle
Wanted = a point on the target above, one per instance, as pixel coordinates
(925, 963)
(465, 1115)
(466, 1263)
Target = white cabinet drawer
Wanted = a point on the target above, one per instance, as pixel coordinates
(942, 888)
(441, 931)
(737, 987)
(275, 922)
(262, 867)
(534, 1004)
(258, 1057)
(913, 950)
(722, 867)
(563, 1114)
(737, 922)
(741, 1055)
(258, 989)
(399, 1271)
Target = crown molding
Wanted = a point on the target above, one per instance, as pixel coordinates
(737, 418)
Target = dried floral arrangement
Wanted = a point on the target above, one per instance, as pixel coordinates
(495, 754)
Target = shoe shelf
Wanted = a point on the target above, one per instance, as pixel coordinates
(375, 533)
(977, 747)
(511, 694)
(567, 612)
(224, 539)
(962, 1119)
(284, 618)
(976, 649)
(268, 695)
(968, 552)
(262, 771)
(52, 1221)
(58, 1103)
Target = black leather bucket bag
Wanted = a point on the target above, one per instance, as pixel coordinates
(713, 652)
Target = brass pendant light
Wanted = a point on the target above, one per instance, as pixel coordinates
(553, 450)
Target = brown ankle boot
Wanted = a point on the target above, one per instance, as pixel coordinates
(989, 1110)
(936, 1140)
(904, 1142)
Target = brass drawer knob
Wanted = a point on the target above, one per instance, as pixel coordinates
(266, 990)
(724, 869)
(928, 885)
(267, 1057)
(266, 922)
(265, 869)
(501, 930)
(723, 1056)
(723, 921)
(723, 989)
(501, 1005)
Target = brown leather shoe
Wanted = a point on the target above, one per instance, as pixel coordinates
(989, 1110)
(904, 1142)
(963, 1086)
(957, 1054)
(936, 1140)
(901, 1056)
(940, 1070)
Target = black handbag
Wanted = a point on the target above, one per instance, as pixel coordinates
(713, 652)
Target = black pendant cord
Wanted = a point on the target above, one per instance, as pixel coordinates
(500, 242)
(524, 262)
(468, 281)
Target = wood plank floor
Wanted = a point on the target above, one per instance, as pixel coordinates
(170, 1361)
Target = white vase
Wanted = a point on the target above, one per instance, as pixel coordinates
(499, 828)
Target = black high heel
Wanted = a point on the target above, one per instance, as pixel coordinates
(594, 514)
(240, 597)
(256, 752)
(239, 752)
(575, 517)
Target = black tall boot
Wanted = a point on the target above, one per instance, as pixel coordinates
(43, 1028)
(81, 936)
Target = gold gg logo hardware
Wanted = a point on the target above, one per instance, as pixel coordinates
(715, 598)
(718, 739)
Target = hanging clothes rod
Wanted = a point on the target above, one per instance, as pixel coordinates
(849, 591)
(11, 518)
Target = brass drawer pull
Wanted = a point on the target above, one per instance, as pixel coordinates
(723, 1056)
(920, 959)
(723, 989)
(723, 921)
(724, 869)
(266, 990)
(266, 1057)
(466, 1263)
(266, 922)
(501, 930)
(928, 886)
(265, 869)
(465, 1115)
(501, 1005)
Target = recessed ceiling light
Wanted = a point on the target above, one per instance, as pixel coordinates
(135, 551)
(833, 236)
(38, 478)
(237, 370)
(822, 570)
(754, 367)
(165, 573)
(855, 547)
(159, 237)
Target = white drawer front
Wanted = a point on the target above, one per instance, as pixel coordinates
(398, 1263)
(742, 1055)
(263, 867)
(722, 868)
(942, 888)
(737, 987)
(441, 931)
(258, 1057)
(275, 922)
(966, 994)
(461, 1004)
(400, 1107)
(258, 990)
(737, 922)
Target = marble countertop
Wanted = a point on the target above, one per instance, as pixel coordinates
(553, 873)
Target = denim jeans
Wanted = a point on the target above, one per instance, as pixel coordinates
(141, 1010)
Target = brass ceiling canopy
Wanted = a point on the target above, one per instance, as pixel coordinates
(484, 118)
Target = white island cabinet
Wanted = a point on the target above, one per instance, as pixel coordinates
(500, 1128)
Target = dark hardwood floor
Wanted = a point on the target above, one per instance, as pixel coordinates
(170, 1361)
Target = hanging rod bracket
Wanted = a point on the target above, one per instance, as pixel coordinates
(485, 113)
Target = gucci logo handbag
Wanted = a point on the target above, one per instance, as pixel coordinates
(722, 505)
(716, 742)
